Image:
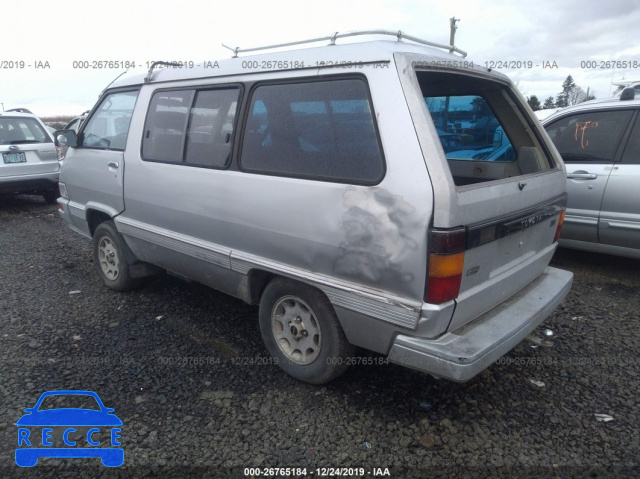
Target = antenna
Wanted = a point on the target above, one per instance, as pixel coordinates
(103, 90)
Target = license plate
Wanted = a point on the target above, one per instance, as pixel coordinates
(14, 157)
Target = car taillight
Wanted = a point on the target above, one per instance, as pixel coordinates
(63, 190)
(446, 263)
(559, 227)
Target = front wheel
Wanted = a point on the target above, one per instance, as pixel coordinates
(300, 328)
(110, 259)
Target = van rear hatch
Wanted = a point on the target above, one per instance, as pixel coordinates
(498, 206)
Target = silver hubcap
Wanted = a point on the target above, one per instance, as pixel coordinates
(108, 257)
(296, 330)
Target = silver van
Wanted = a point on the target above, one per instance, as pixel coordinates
(314, 183)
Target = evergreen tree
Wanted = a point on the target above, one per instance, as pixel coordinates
(533, 102)
(561, 100)
(549, 103)
(566, 97)
(568, 85)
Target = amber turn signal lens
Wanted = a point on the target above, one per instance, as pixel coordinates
(445, 276)
(559, 227)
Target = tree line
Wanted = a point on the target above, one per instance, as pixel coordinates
(571, 94)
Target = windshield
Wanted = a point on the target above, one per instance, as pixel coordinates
(66, 401)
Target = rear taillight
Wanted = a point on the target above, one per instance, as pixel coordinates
(559, 227)
(446, 263)
(63, 190)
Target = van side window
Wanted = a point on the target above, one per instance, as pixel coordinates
(191, 127)
(108, 127)
(164, 130)
(317, 129)
(211, 127)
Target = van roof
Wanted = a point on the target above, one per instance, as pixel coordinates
(352, 57)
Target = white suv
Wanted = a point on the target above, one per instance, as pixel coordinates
(29, 157)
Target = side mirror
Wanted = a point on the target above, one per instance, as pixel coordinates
(66, 138)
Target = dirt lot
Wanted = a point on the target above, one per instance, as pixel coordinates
(186, 372)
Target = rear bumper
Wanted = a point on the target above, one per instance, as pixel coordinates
(462, 354)
(29, 183)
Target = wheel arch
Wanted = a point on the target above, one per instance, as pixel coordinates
(330, 346)
(258, 281)
(95, 217)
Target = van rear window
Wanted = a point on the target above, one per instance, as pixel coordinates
(482, 131)
(317, 129)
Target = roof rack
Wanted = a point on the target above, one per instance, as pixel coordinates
(332, 41)
(20, 110)
(147, 79)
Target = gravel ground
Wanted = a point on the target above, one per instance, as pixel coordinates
(186, 371)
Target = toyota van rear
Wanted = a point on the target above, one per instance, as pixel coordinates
(354, 192)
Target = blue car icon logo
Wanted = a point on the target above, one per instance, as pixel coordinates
(52, 429)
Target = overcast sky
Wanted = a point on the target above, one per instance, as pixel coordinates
(62, 31)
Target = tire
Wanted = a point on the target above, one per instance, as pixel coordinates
(50, 197)
(301, 330)
(109, 257)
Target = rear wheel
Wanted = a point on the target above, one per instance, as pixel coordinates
(110, 259)
(301, 330)
(51, 197)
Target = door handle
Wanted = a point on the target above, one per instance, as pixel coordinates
(113, 164)
(582, 176)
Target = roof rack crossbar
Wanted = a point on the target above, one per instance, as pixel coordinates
(332, 40)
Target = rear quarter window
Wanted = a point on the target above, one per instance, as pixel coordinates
(632, 151)
(322, 130)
